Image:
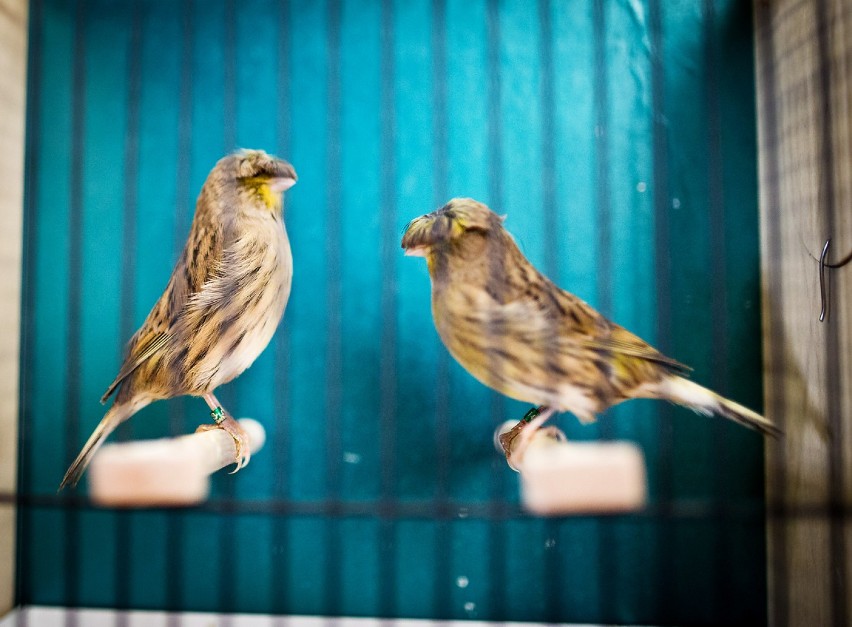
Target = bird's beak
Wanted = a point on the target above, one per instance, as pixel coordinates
(416, 239)
(281, 184)
(416, 251)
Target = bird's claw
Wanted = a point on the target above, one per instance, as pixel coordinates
(507, 437)
(514, 441)
(243, 452)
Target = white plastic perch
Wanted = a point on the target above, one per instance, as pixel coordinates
(562, 477)
(166, 472)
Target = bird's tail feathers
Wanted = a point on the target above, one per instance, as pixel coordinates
(700, 399)
(117, 414)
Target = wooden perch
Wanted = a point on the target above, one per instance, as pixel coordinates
(561, 477)
(166, 472)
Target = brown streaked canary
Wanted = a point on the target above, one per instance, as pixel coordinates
(518, 333)
(221, 306)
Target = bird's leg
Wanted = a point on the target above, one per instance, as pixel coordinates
(524, 430)
(226, 422)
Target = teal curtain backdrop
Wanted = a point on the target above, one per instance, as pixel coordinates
(618, 136)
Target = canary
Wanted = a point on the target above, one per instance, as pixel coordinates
(518, 333)
(222, 304)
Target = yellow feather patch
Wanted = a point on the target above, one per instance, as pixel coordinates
(270, 198)
(261, 187)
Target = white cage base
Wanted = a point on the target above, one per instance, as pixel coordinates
(38, 616)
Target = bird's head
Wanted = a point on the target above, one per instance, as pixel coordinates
(260, 174)
(463, 223)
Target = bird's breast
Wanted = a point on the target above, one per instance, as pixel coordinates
(247, 322)
(265, 298)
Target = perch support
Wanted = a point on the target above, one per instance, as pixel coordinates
(561, 477)
(166, 472)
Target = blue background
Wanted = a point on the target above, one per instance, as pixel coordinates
(618, 136)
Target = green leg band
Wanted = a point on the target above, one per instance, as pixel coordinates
(532, 413)
(218, 415)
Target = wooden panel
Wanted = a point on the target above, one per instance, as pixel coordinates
(13, 50)
(803, 58)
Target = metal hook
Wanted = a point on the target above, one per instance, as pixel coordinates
(823, 264)
(822, 297)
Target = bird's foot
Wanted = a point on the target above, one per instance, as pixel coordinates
(508, 437)
(227, 423)
(515, 441)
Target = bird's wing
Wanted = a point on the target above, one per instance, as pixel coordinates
(210, 253)
(623, 342)
(198, 264)
(140, 353)
(567, 325)
(202, 258)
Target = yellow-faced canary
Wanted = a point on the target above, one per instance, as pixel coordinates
(221, 306)
(518, 333)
